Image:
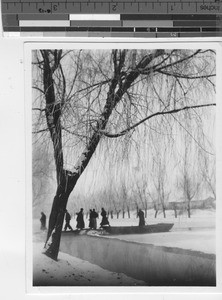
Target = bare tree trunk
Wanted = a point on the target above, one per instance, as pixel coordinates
(67, 180)
(145, 209)
(57, 214)
(137, 210)
(128, 212)
(164, 212)
(156, 213)
(188, 210)
(175, 211)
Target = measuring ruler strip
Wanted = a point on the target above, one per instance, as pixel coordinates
(109, 17)
(162, 7)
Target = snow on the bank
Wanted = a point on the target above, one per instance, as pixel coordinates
(72, 271)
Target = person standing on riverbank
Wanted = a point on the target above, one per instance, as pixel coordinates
(43, 221)
(67, 218)
(94, 217)
(104, 218)
(90, 219)
(141, 218)
(80, 221)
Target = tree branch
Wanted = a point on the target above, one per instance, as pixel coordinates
(123, 132)
(176, 75)
(38, 89)
(64, 85)
(178, 61)
(39, 131)
(39, 109)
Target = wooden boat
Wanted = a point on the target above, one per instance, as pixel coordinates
(117, 230)
(161, 227)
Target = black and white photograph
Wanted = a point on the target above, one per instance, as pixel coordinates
(123, 152)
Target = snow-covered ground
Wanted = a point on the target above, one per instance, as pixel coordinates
(71, 271)
(195, 233)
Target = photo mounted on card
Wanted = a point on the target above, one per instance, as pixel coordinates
(121, 157)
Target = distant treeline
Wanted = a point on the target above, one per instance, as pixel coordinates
(194, 204)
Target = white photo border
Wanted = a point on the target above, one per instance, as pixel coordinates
(113, 44)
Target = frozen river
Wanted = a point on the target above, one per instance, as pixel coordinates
(177, 258)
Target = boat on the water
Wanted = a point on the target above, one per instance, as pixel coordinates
(161, 227)
(114, 230)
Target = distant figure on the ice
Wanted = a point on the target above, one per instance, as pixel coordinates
(67, 218)
(90, 219)
(104, 218)
(141, 218)
(43, 221)
(94, 216)
(80, 222)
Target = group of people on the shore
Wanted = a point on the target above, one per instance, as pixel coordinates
(93, 215)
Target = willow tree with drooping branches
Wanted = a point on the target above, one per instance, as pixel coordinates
(82, 98)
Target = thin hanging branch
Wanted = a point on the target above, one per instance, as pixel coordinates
(177, 75)
(123, 132)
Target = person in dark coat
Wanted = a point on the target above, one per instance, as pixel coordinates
(141, 218)
(80, 222)
(90, 219)
(94, 216)
(104, 218)
(67, 218)
(43, 221)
